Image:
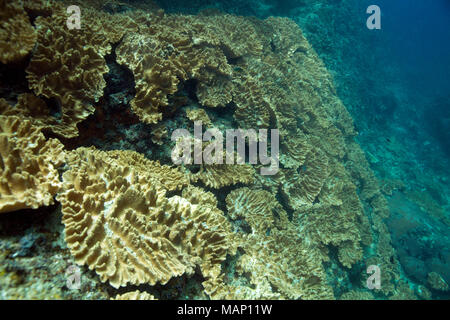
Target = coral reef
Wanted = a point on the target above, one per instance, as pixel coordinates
(28, 165)
(135, 219)
(68, 66)
(119, 221)
(17, 35)
(275, 254)
(436, 282)
(134, 295)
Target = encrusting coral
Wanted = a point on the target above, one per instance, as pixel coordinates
(159, 133)
(36, 110)
(301, 189)
(169, 178)
(215, 175)
(253, 206)
(221, 175)
(68, 66)
(199, 115)
(160, 57)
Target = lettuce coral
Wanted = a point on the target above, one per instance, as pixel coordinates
(124, 227)
(68, 66)
(275, 255)
(134, 295)
(17, 35)
(28, 165)
(164, 54)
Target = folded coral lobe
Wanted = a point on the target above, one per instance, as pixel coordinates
(17, 35)
(28, 165)
(67, 67)
(120, 222)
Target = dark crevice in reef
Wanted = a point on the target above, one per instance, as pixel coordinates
(334, 271)
(114, 125)
(285, 206)
(355, 274)
(120, 84)
(13, 79)
(228, 265)
(16, 223)
(243, 226)
(233, 60)
(185, 95)
(54, 106)
(34, 13)
(189, 89)
(224, 113)
(170, 194)
(182, 287)
(222, 194)
(272, 46)
(55, 110)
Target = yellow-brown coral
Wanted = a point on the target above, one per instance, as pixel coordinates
(134, 295)
(17, 35)
(28, 165)
(176, 48)
(68, 66)
(169, 178)
(199, 115)
(221, 175)
(128, 231)
(38, 113)
(159, 133)
(255, 206)
(301, 189)
(119, 217)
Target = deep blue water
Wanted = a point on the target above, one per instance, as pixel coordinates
(418, 35)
